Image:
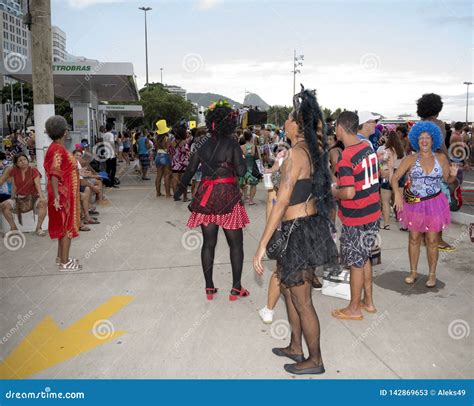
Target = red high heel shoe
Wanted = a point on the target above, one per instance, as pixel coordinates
(210, 292)
(235, 293)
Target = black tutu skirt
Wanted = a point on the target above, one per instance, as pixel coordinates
(311, 250)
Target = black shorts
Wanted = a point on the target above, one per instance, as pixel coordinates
(357, 243)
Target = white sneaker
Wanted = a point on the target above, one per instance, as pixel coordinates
(266, 315)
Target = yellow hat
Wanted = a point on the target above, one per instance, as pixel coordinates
(162, 128)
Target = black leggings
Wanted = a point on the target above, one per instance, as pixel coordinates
(236, 246)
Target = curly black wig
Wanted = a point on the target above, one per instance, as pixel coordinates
(429, 105)
(309, 116)
(221, 121)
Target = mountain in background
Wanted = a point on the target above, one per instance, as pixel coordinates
(253, 100)
(205, 99)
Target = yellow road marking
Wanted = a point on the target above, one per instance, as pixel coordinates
(48, 345)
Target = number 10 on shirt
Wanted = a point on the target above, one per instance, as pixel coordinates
(368, 165)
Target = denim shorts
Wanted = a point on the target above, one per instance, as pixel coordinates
(162, 159)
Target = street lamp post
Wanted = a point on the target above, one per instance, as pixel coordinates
(161, 75)
(467, 100)
(145, 9)
(297, 61)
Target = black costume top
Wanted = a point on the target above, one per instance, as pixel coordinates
(220, 158)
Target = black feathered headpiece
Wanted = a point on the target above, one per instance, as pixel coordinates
(309, 116)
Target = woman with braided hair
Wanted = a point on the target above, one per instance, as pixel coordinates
(217, 202)
(303, 205)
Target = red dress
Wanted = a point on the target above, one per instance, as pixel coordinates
(60, 163)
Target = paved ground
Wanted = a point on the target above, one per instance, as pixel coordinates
(169, 329)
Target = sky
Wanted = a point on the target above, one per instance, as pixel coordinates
(372, 55)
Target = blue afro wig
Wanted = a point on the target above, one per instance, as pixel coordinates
(425, 127)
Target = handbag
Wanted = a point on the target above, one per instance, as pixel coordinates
(278, 242)
(337, 285)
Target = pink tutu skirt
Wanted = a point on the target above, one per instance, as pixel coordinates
(431, 215)
(234, 220)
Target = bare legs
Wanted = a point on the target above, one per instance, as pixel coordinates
(273, 291)
(7, 211)
(432, 240)
(361, 283)
(385, 198)
(252, 192)
(64, 245)
(163, 172)
(175, 179)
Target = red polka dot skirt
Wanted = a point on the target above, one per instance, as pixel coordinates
(234, 220)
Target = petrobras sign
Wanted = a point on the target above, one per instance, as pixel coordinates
(72, 68)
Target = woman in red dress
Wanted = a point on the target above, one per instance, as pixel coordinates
(63, 193)
(217, 202)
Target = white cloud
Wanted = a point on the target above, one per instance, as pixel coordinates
(208, 4)
(350, 86)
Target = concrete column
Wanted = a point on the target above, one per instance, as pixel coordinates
(42, 61)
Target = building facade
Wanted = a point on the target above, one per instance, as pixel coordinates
(59, 44)
(15, 51)
(176, 90)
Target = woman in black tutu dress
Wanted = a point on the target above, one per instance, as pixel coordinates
(302, 210)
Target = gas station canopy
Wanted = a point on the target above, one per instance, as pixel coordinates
(73, 81)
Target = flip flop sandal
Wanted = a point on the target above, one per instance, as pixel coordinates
(363, 306)
(84, 228)
(342, 316)
(387, 227)
(40, 233)
(92, 221)
(446, 248)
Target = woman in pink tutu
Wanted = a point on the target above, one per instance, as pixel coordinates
(423, 208)
(217, 202)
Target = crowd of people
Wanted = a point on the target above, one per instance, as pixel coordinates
(323, 177)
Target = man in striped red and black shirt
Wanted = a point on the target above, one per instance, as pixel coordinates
(357, 190)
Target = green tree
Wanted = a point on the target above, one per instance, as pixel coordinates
(159, 104)
(63, 108)
(278, 114)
